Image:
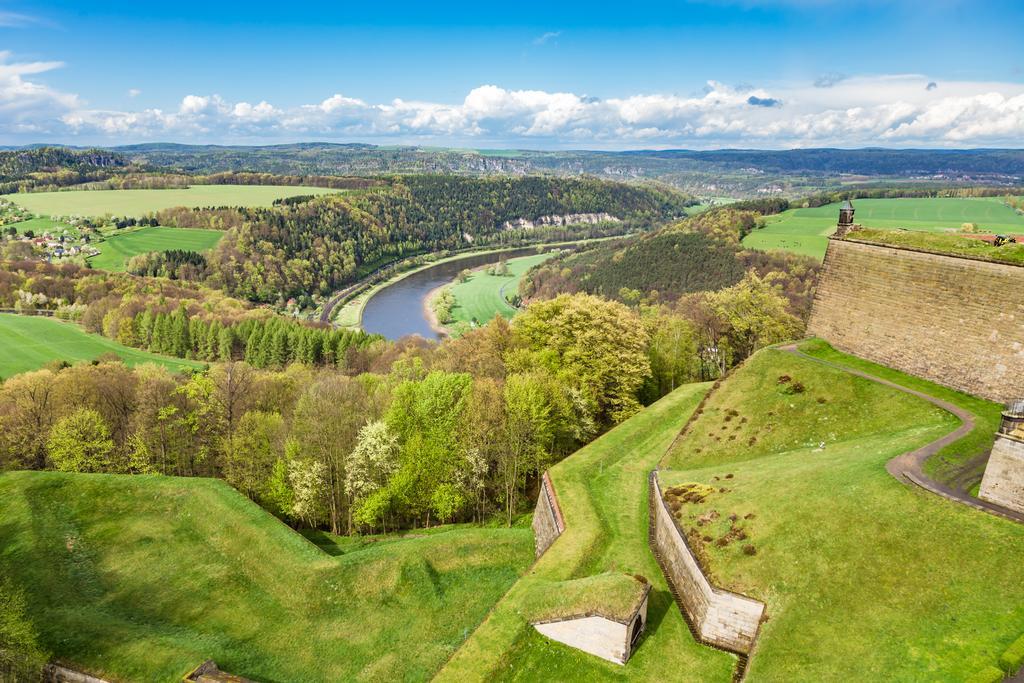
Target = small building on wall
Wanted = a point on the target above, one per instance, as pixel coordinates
(602, 615)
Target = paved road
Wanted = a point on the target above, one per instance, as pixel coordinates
(908, 467)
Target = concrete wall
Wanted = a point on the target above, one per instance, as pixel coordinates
(1003, 483)
(548, 523)
(955, 321)
(598, 636)
(60, 674)
(723, 619)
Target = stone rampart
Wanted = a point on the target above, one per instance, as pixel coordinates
(727, 620)
(953, 320)
(548, 523)
(1003, 483)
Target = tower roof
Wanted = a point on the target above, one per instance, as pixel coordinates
(847, 205)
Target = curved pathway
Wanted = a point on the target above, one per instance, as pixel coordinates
(909, 467)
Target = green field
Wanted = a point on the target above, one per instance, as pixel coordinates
(602, 489)
(121, 245)
(39, 225)
(865, 578)
(30, 342)
(806, 231)
(139, 202)
(141, 578)
(482, 296)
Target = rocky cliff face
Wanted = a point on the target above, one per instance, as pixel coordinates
(568, 219)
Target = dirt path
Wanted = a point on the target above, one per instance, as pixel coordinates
(908, 467)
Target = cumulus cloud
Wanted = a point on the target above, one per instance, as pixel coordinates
(134, 92)
(865, 110)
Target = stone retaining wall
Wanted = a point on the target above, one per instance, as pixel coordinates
(726, 620)
(1003, 483)
(955, 321)
(548, 523)
(54, 673)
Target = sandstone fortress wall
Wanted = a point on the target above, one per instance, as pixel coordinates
(1004, 475)
(548, 523)
(724, 619)
(955, 321)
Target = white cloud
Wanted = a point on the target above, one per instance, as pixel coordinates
(134, 92)
(545, 37)
(897, 110)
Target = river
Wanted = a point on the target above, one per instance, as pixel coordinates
(397, 310)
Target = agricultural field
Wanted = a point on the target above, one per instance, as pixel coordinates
(41, 224)
(120, 245)
(484, 295)
(857, 570)
(142, 578)
(30, 342)
(806, 231)
(139, 202)
(602, 489)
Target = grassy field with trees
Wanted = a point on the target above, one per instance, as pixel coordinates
(144, 577)
(137, 203)
(806, 230)
(602, 490)
(485, 292)
(30, 342)
(798, 510)
(119, 246)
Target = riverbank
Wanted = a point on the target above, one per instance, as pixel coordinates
(481, 296)
(351, 313)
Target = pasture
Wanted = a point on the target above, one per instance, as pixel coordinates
(140, 202)
(483, 295)
(30, 342)
(120, 245)
(141, 578)
(41, 224)
(857, 569)
(806, 231)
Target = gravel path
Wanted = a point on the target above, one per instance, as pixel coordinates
(908, 467)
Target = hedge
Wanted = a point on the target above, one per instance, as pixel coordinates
(989, 674)
(1013, 658)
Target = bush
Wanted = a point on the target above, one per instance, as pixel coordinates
(1013, 658)
(989, 674)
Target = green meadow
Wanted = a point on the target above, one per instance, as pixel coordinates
(483, 295)
(121, 245)
(602, 489)
(30, 342)
(39, 225)
(142, 578)
(806, 231)
(140, 202)
(864, 577)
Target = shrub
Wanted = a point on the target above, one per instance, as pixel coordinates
(749, 550)
(1013, 658)
(989, 674)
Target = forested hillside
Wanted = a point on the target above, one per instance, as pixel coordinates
(699, 254)
(313, 247)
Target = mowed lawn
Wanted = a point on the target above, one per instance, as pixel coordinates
(806, 231)
(865, 578)
(141, 578)
(602, 489)
(139, 202)
(116, 249)
(30, 342)
(482, 296)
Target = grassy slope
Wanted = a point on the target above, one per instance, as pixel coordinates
(482, 296)
(143, 577)
(865, 578)
(39, 225)
(122, 245)
(948, 463)
(29, 343)
(603, 493)
(138, 202)
(806, 231)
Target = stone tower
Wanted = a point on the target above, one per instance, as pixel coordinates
(845, 219)
(1004, 475)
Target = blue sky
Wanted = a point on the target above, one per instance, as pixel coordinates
(524, 74)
